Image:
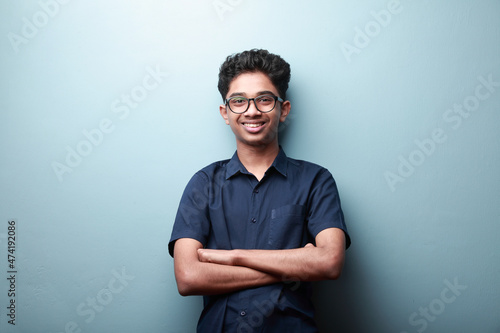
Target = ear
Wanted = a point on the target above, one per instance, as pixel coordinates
(285, 110)
(223, 113)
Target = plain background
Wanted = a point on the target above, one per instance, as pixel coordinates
(372, 84)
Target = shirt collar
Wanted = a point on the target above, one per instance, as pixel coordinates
(281, 162)
(234, 166)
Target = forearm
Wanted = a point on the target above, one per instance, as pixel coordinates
(202, 278)
(304, 264)
(212, 279)
(310, 263)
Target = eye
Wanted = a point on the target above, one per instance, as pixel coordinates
(265, 99)
(238, 101)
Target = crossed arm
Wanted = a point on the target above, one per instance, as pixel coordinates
(201, 271)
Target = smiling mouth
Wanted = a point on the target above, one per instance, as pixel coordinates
(253, 125)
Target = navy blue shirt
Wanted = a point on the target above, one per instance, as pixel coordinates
(226, 207)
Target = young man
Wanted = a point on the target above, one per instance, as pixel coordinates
(248, 226)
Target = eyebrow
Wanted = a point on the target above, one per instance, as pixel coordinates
(264, 92)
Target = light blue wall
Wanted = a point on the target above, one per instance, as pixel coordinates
(376, 92)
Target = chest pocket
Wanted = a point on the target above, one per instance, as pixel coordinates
(288, 227)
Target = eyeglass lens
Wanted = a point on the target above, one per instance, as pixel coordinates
(241, 104)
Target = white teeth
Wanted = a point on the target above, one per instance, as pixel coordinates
(252, 125)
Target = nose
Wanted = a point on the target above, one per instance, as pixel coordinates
(252, 109)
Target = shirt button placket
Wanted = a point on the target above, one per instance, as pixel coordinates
(255, 191)
(254, 214)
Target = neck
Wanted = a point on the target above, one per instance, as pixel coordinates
(257, 159)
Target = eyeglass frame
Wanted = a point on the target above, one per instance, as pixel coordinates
(276, 99)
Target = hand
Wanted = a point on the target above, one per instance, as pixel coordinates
(222, 257)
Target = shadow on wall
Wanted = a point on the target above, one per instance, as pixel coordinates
(337, 303)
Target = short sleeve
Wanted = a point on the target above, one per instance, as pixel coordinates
(192, 219)
(324, 208)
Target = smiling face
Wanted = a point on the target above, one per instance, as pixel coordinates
(254, 128)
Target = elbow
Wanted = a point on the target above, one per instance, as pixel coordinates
(333, 268)
(184, 289)
(186, 285)
(333, 273)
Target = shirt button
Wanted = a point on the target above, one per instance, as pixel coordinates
(256, 191)
(243, 313)
(254, 220)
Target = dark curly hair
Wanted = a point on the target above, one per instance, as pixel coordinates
(277, 69)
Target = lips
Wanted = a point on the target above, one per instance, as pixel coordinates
(253, 127)
(253, 124)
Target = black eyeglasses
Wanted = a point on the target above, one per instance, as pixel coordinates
(263, 103)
